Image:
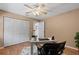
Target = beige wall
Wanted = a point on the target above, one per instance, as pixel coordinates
(12, 15)
(63, 26)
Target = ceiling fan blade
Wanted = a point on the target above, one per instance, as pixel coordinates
(28, 6)
(43, 5)
(36, 5)
(28, 12)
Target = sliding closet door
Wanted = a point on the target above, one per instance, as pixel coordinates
(15, 31)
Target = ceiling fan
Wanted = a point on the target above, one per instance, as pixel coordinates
(36, 9)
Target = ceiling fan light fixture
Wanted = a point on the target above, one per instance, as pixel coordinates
(39, 9)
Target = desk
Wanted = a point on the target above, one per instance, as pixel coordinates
(40, 42)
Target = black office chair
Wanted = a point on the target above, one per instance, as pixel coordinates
(52, 48)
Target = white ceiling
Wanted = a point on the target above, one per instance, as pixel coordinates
(53, 9)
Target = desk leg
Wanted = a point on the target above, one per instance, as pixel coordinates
(31, 48)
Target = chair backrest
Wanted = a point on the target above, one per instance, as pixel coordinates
(61, 47)
(53, 38)
(53, 48)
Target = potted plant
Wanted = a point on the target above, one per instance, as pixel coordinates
(77, 40)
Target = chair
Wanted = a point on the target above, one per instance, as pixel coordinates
(52, 48)
(53, 38)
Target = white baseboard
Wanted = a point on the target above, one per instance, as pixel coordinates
(71, 47)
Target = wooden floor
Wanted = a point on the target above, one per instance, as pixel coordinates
(16, 49)
(70, 51)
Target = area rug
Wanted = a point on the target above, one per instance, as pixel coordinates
(27, 50)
